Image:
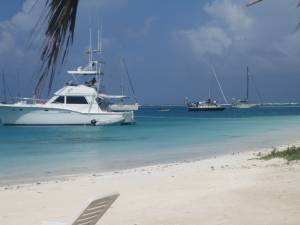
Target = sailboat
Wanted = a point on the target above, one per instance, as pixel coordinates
(122, 105)
(209, 104)
(244, 104)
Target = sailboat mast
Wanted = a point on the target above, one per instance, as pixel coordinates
(220, 87)
(99, 50)
(4, 85)
(247, 84)
(91, 48)
(129, 78)
(209, 89)
(122, 77)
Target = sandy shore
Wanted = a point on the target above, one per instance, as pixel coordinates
(229, 189)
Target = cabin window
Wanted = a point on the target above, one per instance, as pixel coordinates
(59, 100)
(76, 100)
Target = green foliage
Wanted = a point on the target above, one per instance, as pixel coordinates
(291, 153)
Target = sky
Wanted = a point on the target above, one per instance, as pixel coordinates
(170, 47)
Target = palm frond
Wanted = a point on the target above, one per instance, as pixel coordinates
(253, 2)
(61, 20)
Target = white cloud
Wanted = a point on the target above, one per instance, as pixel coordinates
(148, 23)
(207, 40)
(26, 19)
(233, 33)
(14, 33)
(7, 42)
(230, 14)
(229, 24)
(290, 46)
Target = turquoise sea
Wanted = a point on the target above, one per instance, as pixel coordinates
(33, 153)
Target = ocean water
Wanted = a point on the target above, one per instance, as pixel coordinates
(33, 153)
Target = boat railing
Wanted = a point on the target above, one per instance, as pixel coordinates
(18, 100)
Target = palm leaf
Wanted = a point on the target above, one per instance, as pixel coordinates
(61, 20)
(253, 2)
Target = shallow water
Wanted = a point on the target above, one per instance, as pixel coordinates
(157, 137)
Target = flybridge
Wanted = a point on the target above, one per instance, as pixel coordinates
(94, 69)
(83, 72)
(89, 70)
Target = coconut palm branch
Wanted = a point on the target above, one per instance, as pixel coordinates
(61, 20)
(253, 2)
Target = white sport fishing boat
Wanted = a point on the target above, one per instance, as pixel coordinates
(71, 105)
(75, 104)
(244, 104)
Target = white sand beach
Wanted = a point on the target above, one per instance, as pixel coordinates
(229, 189)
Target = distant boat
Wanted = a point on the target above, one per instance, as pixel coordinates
(121, 106)
(161, 109)
(244, 104)
(208, 105)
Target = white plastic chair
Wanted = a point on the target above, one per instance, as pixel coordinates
(92, 212)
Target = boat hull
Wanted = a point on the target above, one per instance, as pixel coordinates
(198, 109)
(244, 106)
(124, 107)
(39, 116)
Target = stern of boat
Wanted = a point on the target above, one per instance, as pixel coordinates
(128, 118)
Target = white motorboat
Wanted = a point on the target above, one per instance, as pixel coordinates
(74, 104)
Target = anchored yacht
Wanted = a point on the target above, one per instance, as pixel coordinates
(121, 105)
(244, 104)
(71, 105)
(208, 105)
(75, 104)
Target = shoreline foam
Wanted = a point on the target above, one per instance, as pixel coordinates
(71, 176)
